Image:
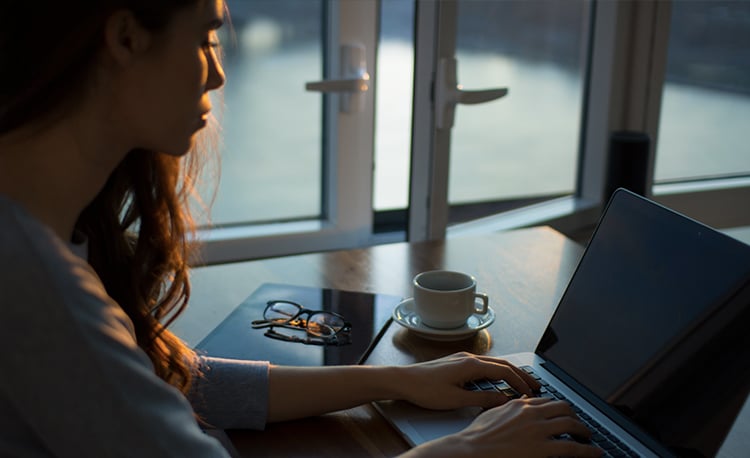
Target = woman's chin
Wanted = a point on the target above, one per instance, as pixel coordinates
(179, 150)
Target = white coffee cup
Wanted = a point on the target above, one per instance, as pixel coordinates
(444, 299)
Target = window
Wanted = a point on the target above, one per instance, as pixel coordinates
(706, 98)
(524, 145)
(301, 174)
(272, 129)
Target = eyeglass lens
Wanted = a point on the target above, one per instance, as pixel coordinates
(281, 312)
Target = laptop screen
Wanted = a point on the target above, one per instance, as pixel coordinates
(654, 315)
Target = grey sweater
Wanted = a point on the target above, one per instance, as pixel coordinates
(74, 383)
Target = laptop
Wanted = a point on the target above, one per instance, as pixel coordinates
(650, 341)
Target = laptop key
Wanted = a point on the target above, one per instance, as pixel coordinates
(471, 386)
(492, 385)
(605, 445)
(485, 385)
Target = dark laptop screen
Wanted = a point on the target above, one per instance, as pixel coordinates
(655, 314)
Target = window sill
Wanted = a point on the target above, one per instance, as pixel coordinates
(566, 214)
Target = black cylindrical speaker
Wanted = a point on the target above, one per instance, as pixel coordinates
(628, 162)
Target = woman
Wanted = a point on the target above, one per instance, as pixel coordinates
(100, 103)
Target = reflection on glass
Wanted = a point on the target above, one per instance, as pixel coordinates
(271, 151)
(706, 99)
(525, 144)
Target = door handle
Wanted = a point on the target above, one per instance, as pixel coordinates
(354, 81)
(448, 93)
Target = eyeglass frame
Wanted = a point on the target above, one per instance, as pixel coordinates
(334, 340)
(302, 310)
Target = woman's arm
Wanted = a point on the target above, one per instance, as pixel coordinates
(297, 392)
(525, 427)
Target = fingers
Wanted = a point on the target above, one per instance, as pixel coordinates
(539, 423)
(528, 379)
(486, 399)
(536, 400)
(567, 425)
(559, 419)
(498, 369)
(554, 409)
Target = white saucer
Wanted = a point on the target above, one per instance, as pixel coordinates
(405, 315)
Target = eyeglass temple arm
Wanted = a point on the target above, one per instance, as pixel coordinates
(257, 324)
(307, 341)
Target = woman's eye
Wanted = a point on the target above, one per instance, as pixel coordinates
(210, 44)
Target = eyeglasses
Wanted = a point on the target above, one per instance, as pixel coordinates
(322, 327)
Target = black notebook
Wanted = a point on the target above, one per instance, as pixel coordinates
(235, 338)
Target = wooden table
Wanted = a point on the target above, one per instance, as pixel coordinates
(524, 272)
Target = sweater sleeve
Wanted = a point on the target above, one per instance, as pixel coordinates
(231, 393)
(73, 377)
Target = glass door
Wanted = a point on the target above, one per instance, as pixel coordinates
(502, 127)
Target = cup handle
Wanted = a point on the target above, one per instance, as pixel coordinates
(485, 303)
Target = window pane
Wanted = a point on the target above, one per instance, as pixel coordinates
(394, 89)
(525, 144)
(271, 154)
(706, 99)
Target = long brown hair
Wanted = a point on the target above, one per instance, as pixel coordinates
(139, 225)
(138, 228)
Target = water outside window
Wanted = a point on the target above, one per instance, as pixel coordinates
(525, 144)
(393, 104)
(272, 128)
(706, 100)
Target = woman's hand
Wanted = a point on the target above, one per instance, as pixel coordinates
(439, 384)
(524, 427)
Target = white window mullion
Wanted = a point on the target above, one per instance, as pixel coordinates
(421, 204)
(428, 196)
(350, 201)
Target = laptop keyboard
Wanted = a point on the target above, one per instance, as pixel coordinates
(601, 437)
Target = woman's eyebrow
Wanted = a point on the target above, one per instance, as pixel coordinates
(214, 24)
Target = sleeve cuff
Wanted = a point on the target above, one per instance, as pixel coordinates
(229, 393)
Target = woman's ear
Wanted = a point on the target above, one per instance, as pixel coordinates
(124, 37)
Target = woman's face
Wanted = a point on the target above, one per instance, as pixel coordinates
(167, 101)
